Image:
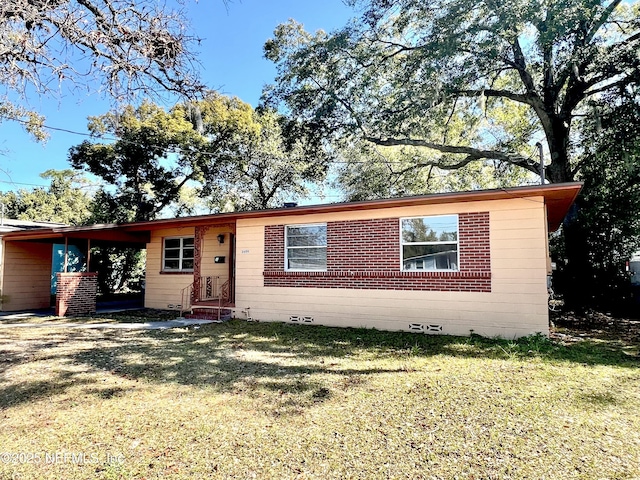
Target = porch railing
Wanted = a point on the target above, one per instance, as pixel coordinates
(207, 289)
(185, 303)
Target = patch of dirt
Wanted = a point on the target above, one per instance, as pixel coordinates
(591, 325)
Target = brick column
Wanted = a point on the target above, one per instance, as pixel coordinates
(198, 243)
(76, 294)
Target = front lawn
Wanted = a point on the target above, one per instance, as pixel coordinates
(247, 400)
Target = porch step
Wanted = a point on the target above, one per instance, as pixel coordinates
(209, 313)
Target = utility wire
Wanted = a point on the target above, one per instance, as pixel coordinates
(178, 151)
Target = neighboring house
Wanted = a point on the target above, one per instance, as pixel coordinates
(451, 263)
(633, 267)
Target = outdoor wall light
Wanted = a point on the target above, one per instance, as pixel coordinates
(221, 238)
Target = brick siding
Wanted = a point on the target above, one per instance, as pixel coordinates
(76, 294)
(366, 254)
(274, 248)
(473, 241)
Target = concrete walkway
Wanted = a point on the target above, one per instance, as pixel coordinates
(178, 323)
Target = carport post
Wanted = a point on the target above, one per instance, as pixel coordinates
(66, 254)
(88, 254)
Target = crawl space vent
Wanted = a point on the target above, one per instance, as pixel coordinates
(419, 327)
(299, 319)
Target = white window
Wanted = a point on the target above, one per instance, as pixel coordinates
(429, 243)
(177, 254)
(306, 247)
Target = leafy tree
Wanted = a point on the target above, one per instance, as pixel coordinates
(256, 158)
(66, 200)
(31, 121)
(219, 149)
(275, 163)
(605, 230)
(469, 82)
(408, 70)
(368, 171)
(154, 155)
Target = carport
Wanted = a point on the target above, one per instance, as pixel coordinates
(26, 270)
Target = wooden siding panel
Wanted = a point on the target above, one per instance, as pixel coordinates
(163, 290)
(26, 276)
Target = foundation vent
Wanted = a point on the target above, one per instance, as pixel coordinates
(420, 327)
(300, 319)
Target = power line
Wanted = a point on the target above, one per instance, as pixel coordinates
(11, 182)
(200, 152)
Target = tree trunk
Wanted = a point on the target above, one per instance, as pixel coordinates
(570, 278)
(558, 142)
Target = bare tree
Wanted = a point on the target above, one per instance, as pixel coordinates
(121, 48)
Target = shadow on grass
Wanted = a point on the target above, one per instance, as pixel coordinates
(599, 398)
(318, 341)
(279, 358)
(282, 357)
(27, 391)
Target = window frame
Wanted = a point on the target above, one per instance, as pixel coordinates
(287, 247)
(181, 257)
(448, 242)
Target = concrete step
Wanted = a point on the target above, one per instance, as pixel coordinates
(209, 313)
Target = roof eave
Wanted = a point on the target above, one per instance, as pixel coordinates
(558, 199)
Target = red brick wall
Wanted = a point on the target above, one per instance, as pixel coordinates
(363, 245)
(76, 294)
(366, 254)
(274, 248)
(473, 242)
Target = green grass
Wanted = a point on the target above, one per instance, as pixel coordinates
(247, 400)
(128, 316)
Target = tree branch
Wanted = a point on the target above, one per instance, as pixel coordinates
(472, 153)
(516, 97)
(601, 21)
(566, 72)
(521, 65)
(604, 88)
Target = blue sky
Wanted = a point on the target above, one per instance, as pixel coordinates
(232, 62)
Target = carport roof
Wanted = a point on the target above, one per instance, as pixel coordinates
(100, 233)
(557, 197)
